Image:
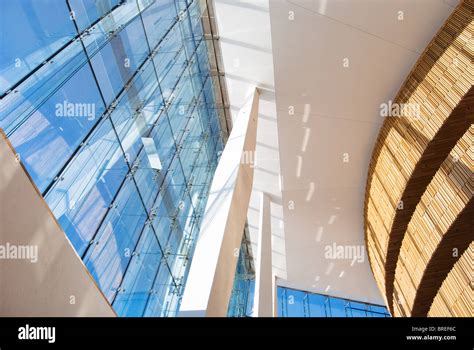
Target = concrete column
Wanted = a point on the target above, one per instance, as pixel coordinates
(264, 279)
(211, 276)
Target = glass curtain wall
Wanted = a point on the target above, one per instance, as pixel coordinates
(241, 299)
(292, 302)
(296, 303)
(110, 107)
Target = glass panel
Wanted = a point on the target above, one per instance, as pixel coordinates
(53, 132)
(170, 62)
(377, 311)
(140, 276)
(294, 299)
(182, 106)
(18, 105)
(86, 12)
(282, 302)
(167, 203)
(294, 303)
(316, 305)
(117, 61)
(356, 312)
(158, 18)
(241, 300)
(109, 253)
(160, 301)
(338, 308)
(88, 185)
(23, 101)
(137, 111)
(31, 32)
(147, 178)
(164, 140)
(97, 36)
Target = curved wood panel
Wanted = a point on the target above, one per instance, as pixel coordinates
(456, 294)
(438, 233)
(410, 149)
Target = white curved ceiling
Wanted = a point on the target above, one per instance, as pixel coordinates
(334, 62)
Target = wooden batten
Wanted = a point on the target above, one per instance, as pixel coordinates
(410, 152)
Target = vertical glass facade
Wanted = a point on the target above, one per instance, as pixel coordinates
(292, 302)
(296, 303)
(110, 106)
(241, 299)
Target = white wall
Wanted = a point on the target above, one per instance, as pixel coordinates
(335, 62)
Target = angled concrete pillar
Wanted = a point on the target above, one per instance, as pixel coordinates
(211, 276)
(263, 304)
(41, 274)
